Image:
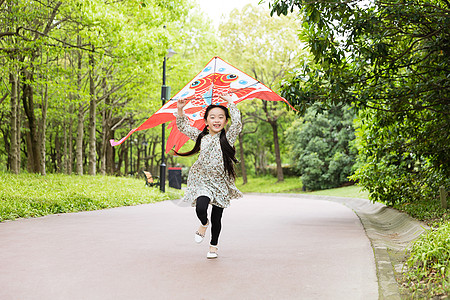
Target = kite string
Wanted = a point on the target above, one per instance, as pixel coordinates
(212, 91)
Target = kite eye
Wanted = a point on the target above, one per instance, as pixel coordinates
(195, 83)
(228, 78)
(199, 84)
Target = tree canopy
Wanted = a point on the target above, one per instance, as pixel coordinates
(390, 59)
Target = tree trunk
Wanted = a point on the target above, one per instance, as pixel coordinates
(110, 154)
(34, 143)
(43, 126)
(14, 122)
(276, 145)
(69, 165)
(241, 150)
(79, 140)
(126, 158)
(80, 115)
(138, 159)
(92, 112)
(58, 155)
(107, 154)
(65, 154)
(152, 161)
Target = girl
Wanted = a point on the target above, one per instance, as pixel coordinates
(211, 177)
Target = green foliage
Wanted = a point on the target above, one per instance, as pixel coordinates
(428, 211)
(49, 45)
(388, 169)
(31, 195)
(321, 148)
(429, 264)
(391, 60)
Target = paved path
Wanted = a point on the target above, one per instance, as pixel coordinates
(270, 248)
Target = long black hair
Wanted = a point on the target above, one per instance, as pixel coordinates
(228, 151)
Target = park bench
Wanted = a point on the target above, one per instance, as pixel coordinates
(150, 181)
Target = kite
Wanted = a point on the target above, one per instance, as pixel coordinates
(217, 77)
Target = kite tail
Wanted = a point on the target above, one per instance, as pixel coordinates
(114, 143)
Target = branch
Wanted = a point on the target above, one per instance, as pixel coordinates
(50, 37)
(9, 33)
(51, 18)
(257, 117)
(116, 88)
(119, 122)
(6, 94)
(55, 24)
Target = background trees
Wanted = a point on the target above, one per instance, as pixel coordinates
(76, 73)
(267, 49)
(390, 59)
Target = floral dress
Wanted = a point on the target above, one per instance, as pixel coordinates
(207, 176)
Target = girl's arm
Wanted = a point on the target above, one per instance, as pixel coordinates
(235, 114)
(183, 122)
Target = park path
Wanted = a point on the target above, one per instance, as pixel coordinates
(271, 247)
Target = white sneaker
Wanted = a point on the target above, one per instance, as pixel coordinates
(198, 236)
(214, 254)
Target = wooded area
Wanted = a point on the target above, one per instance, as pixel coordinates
(78, 73)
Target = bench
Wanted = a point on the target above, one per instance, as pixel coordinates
(150, 181)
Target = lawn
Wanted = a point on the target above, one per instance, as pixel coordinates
(269, 184)
(33, 195)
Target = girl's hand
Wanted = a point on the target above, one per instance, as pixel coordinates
(227, 97)
(180, 106)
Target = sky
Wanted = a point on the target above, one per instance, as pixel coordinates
(216, 8)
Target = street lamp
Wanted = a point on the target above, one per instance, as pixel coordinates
(165, 95)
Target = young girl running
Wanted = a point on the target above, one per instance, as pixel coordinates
(211, 177)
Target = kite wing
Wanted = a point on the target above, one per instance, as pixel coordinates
(217, 77)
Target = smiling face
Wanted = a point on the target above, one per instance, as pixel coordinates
(216, 120)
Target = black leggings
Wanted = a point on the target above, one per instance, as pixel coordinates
(216, 217)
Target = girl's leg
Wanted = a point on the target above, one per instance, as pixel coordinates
(201, 209)
(216, 222)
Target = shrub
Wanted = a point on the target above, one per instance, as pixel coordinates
(321, 147)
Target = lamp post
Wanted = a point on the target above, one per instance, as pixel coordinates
(165, 95)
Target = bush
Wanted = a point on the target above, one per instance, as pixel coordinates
(390, 173)
(321, 147)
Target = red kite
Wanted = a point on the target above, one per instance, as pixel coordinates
(217, 77)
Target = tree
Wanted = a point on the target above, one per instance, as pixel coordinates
(391, 60)
(321, 149)
(265, 48)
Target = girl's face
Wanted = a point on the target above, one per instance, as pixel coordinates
(216, 120)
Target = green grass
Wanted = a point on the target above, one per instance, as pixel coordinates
(33, 195)
(269, 184)
(428, 267)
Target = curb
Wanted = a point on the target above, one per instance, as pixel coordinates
(390, 233)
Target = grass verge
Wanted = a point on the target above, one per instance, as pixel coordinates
(269, 184)
(33, 195)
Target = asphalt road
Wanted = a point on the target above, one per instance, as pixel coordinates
(271, 247)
